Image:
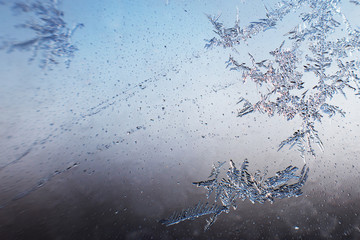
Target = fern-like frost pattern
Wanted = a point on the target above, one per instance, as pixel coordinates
(52, 37)
(331, 61)
(240, 184)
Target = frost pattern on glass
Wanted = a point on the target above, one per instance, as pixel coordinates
(52, 40)
(313, 48)
(240, 184)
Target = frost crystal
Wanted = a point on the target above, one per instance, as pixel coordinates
(356, 2)
(241, 184)
(315, 48)
(52, 38)
(191, 213)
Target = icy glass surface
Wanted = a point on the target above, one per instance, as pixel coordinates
(114, 112)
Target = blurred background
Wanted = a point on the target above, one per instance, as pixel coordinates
(107, 147)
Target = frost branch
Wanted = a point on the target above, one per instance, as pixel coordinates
(52, 37)
(241, 184)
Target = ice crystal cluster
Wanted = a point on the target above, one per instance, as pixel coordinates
(52, 37)
(314, 49)
(240, 184)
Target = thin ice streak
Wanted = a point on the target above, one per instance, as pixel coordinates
(40, 183)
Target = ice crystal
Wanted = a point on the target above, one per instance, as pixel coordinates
(52, 40)
(356, 2)
(240, 184)
(327, 58)
(191, 213)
